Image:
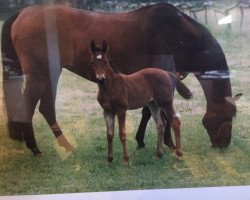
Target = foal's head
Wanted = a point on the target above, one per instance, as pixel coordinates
(99, 61)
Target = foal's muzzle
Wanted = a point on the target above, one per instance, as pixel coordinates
(101, 79)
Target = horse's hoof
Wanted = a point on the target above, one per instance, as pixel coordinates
(36, 152)
(63, 142)
(110, 159)
(141, 145)
(69, 148)
(140, 148)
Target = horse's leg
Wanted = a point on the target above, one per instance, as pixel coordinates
(32, 95)
(47, 109)
(156, 114)
(29, 137)
(110, 122)
(146, 114)
(121, 115)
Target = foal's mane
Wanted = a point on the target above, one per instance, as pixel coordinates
(112, 65)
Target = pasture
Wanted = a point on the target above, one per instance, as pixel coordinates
(86, 169)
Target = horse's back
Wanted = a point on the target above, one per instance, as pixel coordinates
(146, 33)
(41, 36)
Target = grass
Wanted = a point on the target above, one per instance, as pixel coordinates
(86, 169)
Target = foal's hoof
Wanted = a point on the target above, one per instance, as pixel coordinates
(159, 155)
(179, 153)
(126, 161)
(36, 152)
(172, 150)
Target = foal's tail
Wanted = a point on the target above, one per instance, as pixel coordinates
(183, 90)
(11, 75)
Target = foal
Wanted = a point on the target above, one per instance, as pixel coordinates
(119, 93)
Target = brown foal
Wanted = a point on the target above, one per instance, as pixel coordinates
(119, 93)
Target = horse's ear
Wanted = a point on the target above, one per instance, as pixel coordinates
(92, 46)
(104, 46)
(235, 98)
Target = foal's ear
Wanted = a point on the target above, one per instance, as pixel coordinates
(92, 46)
(104, 46)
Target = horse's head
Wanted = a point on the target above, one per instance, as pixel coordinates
(99, 61)
(218, 121)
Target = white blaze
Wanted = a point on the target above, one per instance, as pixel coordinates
(99, 56)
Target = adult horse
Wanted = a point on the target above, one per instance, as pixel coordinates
(44, 39)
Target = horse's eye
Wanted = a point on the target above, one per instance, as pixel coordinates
(91, 62)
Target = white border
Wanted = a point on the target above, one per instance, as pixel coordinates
(209, 193)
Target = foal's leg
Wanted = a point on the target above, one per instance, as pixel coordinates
(121, 115)
(167, 133)
(110, 122)
(146, 114)
(156, 113)
(175, 124)
(47, 108)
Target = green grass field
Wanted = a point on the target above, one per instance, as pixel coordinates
(86, 169)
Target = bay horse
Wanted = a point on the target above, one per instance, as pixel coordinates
(41, 40)
(118, 93)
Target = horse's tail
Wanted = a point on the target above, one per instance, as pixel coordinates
(11, 76)
(183, 90)
(9, 55)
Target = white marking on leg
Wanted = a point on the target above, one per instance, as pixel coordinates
(177, 115)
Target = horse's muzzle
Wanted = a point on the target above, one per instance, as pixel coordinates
(100, 79)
